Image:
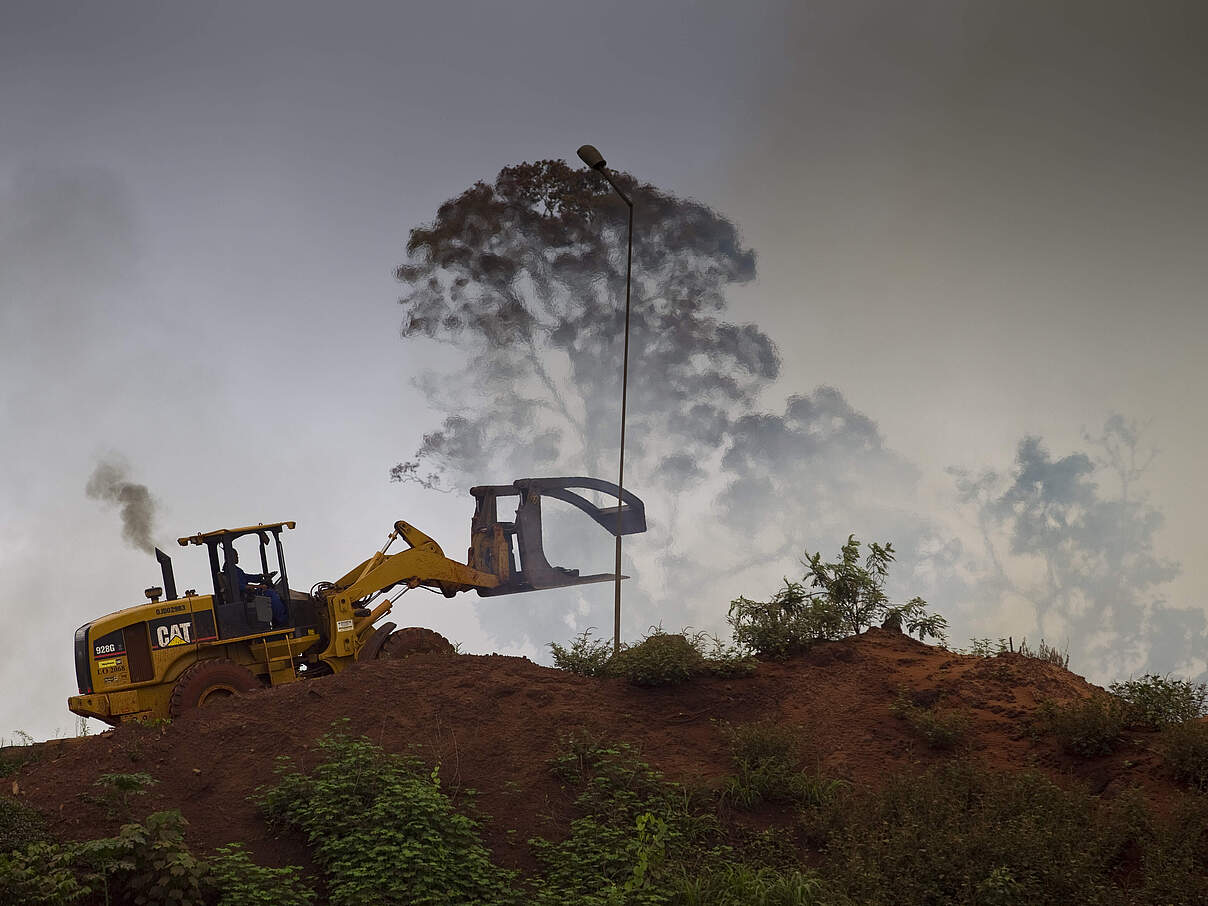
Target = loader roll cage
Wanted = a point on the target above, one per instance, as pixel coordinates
(241, 613)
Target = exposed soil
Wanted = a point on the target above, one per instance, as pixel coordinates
(493, 722)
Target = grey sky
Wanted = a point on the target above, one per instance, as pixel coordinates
(976, 220)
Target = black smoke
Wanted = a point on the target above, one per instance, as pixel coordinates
(110, 483)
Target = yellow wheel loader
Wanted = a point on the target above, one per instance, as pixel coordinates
(163, 657)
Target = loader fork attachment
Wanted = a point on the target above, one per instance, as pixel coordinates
(491, 548)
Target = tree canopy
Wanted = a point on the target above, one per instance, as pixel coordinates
(526, 277)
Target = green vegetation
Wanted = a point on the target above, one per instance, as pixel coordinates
(639, 840)
(147, 863)
(660, 659)
(1184, 748)
(14, 755)
(117, 791)
(241, 882)
(768, 768)
(382, 830)
(586, 656)
(939, 729)
(963, 834)
(986, 648)
(834, 600)
(1155, 702)
(1089, 728)
(1095, 726)
(19, 825)
(41, 873)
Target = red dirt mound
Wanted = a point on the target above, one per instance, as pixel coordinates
(493, 722)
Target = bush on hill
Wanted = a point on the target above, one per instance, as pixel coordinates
(842, 598)
(660, 659)
(1154, 702)
(382, 830)
(1088, 728)
(768, 768)
(963, 834)
(1184, 748)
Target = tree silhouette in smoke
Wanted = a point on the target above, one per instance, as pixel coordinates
(1095, 578)
(525, 279)
(525, 276)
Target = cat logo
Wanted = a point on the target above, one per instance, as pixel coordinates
(173, 634)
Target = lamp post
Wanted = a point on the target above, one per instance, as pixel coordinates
(594, 159)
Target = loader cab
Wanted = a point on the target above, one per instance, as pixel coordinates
(248, 610)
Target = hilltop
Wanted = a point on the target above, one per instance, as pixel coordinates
(493, 723)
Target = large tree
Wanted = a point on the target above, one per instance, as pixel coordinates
(523, 279)
(526, 277)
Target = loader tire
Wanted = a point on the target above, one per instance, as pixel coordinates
(209, 681)
(414, 640)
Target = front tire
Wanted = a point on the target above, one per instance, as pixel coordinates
(208, 681)
(415, 640)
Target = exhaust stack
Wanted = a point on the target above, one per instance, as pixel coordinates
(165, 565)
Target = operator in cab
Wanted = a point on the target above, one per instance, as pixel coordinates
(264, 587)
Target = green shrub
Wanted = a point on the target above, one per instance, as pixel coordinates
(146, 863)
(14, 757)
(986, 648)
(722, 659)
(631, 825)
(42, 874)
(1184, 748)
(841, 599)
(1172, 855)
(786, 625)
(586, 656)
(20, 825)
(116, 792)
(238, 881)
(733, 884)
(768, 769)
(1090, 727)
(382, 831)
(660, 659)
(940, 730)
(1155, 702)
(962, 834)
(639, 840)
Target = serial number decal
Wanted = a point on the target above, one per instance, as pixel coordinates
(344, 626)
(175, 608)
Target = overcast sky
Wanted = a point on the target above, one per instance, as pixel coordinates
(978, 220)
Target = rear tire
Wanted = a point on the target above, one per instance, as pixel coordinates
(414, 640)
(208, 681)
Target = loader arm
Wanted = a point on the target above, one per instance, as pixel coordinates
(423, 563)
(504, 558)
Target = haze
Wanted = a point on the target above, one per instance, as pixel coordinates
(976, 221)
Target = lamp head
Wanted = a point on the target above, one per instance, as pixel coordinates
(590, 156)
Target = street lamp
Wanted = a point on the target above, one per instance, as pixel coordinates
(594, 159)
